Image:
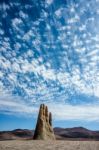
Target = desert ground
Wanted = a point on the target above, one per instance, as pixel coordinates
(49, 145)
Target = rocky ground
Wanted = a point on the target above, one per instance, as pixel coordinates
(49, 145)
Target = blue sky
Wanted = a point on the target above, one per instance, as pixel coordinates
(49, 53)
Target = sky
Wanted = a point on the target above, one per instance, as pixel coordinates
(49, 53)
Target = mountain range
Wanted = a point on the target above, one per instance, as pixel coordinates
(76, 133)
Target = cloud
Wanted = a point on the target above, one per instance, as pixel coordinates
(1, 32)
(16, 106)
(86, 113)
(23, 15)
(51, 58)
(58, 13)
(49, 2)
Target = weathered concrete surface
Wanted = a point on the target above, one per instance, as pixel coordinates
(44, 130)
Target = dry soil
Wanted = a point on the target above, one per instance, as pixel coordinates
(49, 145)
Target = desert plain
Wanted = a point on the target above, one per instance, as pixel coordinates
(48, 145)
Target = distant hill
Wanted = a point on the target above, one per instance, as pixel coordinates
(76, 133)
(16, 134)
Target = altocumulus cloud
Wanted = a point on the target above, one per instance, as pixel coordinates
(50, 57)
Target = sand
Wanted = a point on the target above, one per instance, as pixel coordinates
(49, 145)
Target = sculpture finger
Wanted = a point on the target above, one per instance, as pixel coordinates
(50, 119)
(46, 114)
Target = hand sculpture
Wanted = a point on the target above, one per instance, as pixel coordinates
(44, 128)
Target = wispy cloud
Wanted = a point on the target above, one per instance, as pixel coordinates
(68, 112)
(16, 106)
